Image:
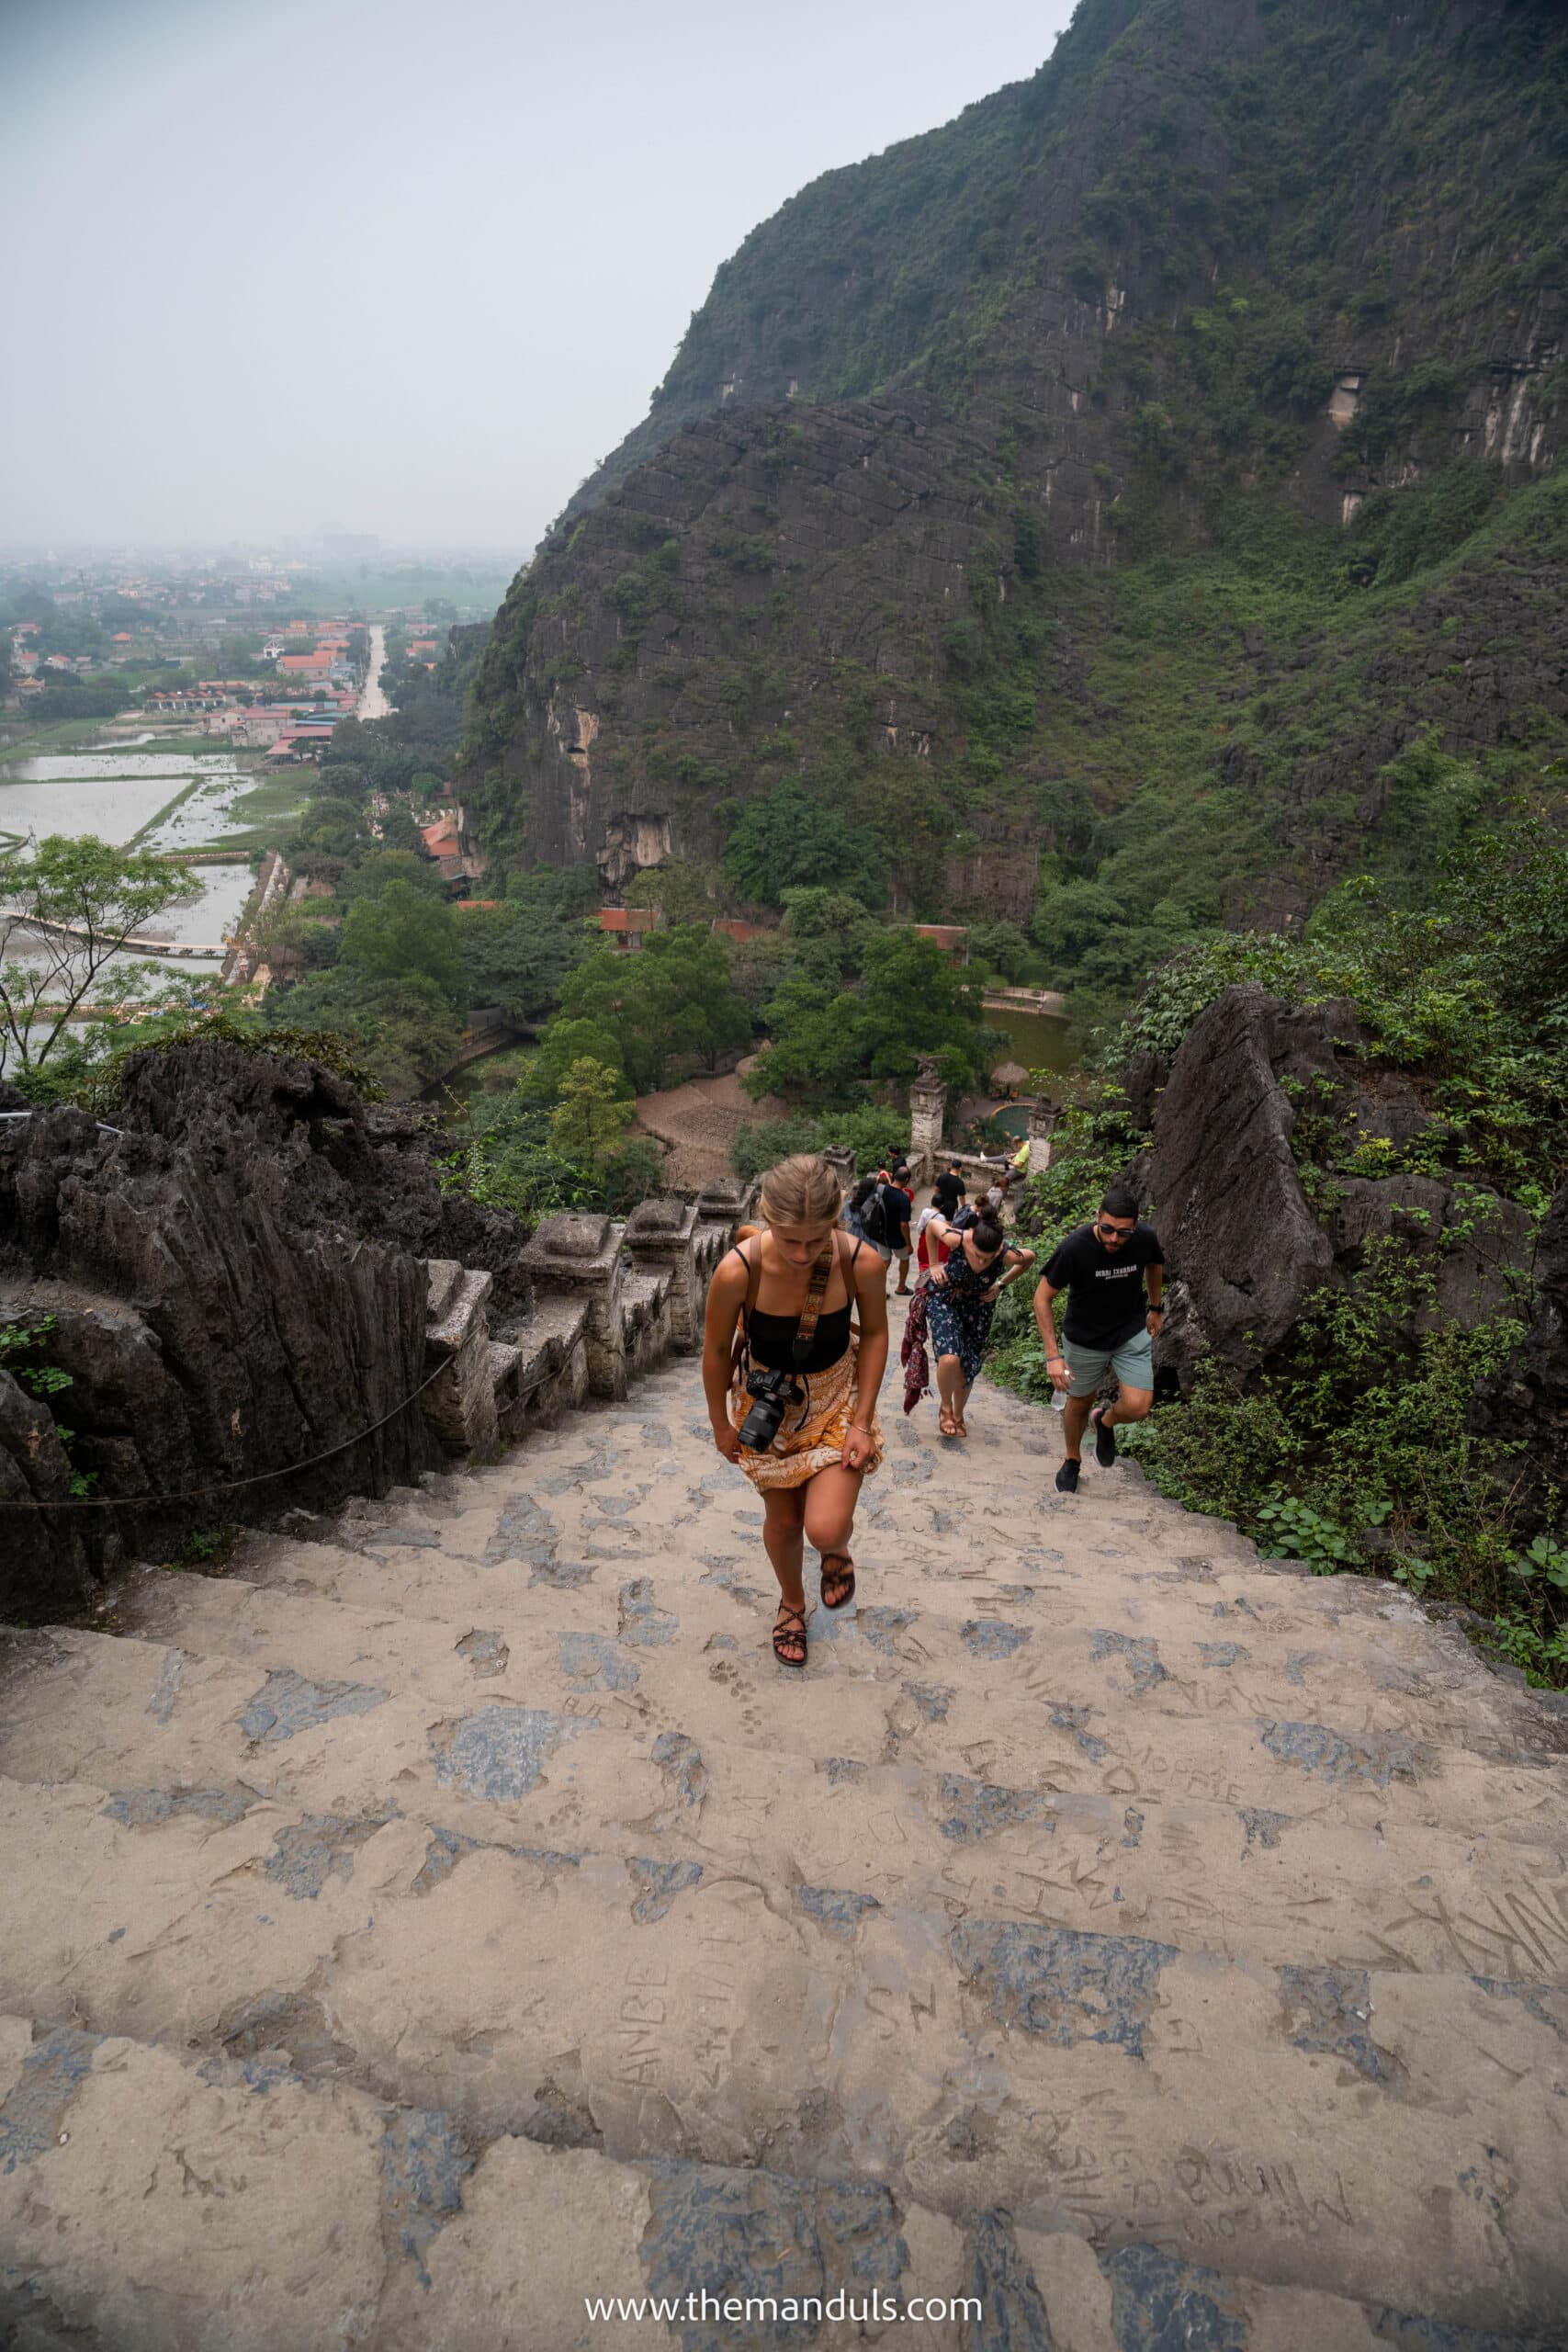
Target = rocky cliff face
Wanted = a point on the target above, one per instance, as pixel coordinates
(1216, 250)
(235, 1284)
(1244, 1244)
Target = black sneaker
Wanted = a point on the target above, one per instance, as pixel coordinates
(1104, 1439)
(1067, 1477)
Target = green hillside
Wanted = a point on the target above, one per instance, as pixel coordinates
(1133, 502)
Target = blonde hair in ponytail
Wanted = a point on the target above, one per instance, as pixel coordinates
(800, 1191)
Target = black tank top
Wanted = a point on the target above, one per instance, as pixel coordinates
(769, 1339)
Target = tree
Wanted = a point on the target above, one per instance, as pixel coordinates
(668, 1005)
(71, 697)
(829, 929)
(371, 877)
(402, 1030)
(70, 907)
(785, 838)
(825, 1040)
(758, 969)
(517, 958)
(328, 828)
(586, 1123)
(681, 890)
(1071, 916)
(404, 935)
(567, 1040)
(812, 1053)
(998, 946)
(915, 1001)
(565, 893)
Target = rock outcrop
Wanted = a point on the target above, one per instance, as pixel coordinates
(211, 1334)
(261, 1300)
(320, 1158)
(1244, 1244)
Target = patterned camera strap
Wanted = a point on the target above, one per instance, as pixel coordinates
(815, 1292)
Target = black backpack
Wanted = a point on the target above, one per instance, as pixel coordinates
(873, 1217)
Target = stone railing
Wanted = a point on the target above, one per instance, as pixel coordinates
(610, 1301)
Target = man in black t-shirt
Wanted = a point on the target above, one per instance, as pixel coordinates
(898, 1202)
(1110, 1325)
(949, 1191)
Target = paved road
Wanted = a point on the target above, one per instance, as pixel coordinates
(373, 703)
(455, 1912)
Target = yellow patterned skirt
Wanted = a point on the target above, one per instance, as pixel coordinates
(802, 1448)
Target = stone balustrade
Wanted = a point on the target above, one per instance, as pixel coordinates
(610, 1302)
(460, 1402)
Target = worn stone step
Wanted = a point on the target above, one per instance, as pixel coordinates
(127, 1713)
(399, 2228)
(1255, 1652)
(1374, 2133)
(1268, 1888)
(620, 1628)
(493, 1805)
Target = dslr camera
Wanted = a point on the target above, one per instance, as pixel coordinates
(776, 1391)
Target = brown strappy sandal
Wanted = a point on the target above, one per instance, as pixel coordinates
(784, 1633)
(844, 1577)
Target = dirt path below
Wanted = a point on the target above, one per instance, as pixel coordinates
(697, 1122)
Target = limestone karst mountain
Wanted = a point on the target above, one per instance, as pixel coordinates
(1133, 482)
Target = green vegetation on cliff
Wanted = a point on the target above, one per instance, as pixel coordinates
(1117, 509)
(1354, 1444)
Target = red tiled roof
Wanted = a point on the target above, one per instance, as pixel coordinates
(949, 936)
(627, 918)
(741, 932)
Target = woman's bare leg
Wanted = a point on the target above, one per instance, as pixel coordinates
(831, 1500)
(962, 1398)
(952, 1386)
(784, 1514)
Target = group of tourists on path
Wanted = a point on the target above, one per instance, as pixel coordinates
(796, 1338)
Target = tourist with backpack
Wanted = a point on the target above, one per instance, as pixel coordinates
(879, 1212)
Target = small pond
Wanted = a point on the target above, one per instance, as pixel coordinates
(1034, 1039)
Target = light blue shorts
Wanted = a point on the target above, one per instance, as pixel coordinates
(1132, 1362)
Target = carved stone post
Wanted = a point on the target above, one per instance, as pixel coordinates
(581, 1253)
(1042, 1116)
(460, 1405)
(662, 1234)
(927, 1115)
(726, 1201)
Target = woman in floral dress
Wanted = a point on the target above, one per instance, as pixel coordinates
(962, 1302)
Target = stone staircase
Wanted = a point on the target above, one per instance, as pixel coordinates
(453, 1912)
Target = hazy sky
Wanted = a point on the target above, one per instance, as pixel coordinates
(412, 266)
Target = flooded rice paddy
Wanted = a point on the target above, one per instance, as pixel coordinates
(150, 800)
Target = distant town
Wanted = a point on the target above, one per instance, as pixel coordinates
(267, 651)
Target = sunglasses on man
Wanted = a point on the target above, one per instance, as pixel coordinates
(1108, 1230)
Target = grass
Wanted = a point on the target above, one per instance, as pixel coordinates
(62, 735)
(261, 814)
(139, 840)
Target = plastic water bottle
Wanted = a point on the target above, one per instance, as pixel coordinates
(1058, 1400)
